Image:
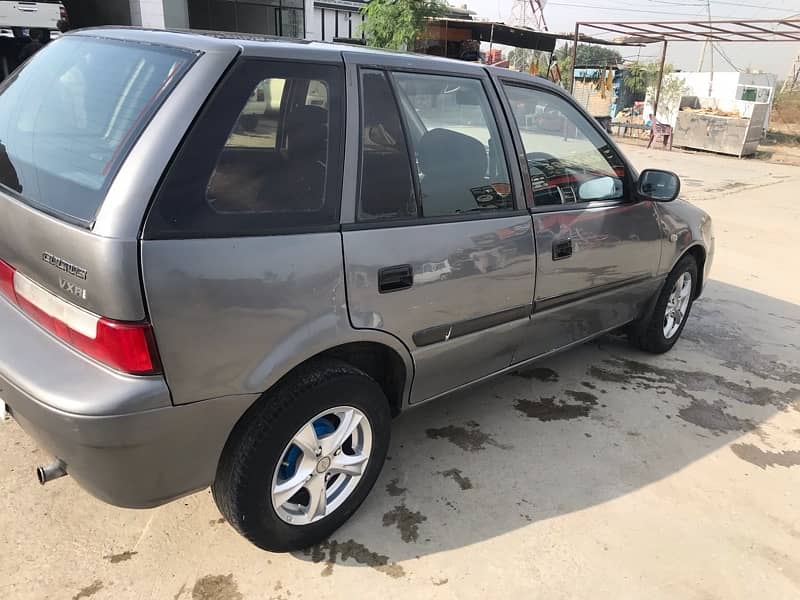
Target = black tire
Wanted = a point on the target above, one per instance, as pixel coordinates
(648, 332)
(243, 481)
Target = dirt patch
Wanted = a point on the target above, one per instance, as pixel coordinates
(438, 582)
(393, 489)
(538, 373)
(713, 417)
(121, 557)
(764, 458)
(216, 587)
(406, 521)
(455, 474)
(547, 409)
(89, 590)
(358, 552)
(471, 440)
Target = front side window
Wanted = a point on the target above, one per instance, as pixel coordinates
(568, 160)
(263, 156)
(456, 145)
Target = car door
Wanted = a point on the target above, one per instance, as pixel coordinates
(439, 247)
(598, 247)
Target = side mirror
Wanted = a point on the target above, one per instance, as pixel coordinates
(657, 185)
(600, 188)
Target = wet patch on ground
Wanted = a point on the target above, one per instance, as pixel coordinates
(121, 557)
(216, 587)
(455, 474)
(713, 417)
(358, 552)
(393, 489)
(682, 383)
(717, 334)
(471, 439)
(407, 522)
(548, 409)
(89, 590)
(582, 397)
(764, 458)
(538, 373)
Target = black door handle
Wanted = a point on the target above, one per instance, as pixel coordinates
(562, 249)
(396, 278)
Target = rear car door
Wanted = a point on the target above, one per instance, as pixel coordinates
(438, 248)
(598, 247)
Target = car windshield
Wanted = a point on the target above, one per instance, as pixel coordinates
(69, 117)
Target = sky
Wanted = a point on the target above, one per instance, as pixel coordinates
(771, 57)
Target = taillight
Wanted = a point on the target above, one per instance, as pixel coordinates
(128, 347)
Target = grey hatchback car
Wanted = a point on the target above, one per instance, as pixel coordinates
(230, 261)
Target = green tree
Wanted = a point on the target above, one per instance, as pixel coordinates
(395, 24)
(636, 79)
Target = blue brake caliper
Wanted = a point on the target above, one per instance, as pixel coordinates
(291, 459)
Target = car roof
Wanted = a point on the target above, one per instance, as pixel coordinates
(250, 44)
(265, 45)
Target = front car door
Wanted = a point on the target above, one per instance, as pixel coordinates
(438, 245)
(598, 247)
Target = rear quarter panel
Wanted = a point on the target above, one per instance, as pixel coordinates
(232, 316)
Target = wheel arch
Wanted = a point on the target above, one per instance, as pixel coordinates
(698, 252)
(379, 355)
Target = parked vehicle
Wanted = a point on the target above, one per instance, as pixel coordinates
(202, 285)
(25, 27)
(47, 14)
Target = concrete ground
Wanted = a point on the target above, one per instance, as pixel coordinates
(602, 473)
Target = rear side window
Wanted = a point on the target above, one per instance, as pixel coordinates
(264, 156)
(69, 118)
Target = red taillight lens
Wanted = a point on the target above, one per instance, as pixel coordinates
(7, 281)
(128, 347)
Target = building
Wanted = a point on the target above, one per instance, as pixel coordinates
(310, 19)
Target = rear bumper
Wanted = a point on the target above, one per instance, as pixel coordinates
(120, 436)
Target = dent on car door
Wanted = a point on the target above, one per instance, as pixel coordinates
(597, 248)
(441, 252)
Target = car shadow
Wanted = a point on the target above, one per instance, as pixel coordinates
(582, 428)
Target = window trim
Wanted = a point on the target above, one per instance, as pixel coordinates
(627, 179)
(496, 111)
(361, 71)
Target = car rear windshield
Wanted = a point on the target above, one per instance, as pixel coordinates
(69, 117)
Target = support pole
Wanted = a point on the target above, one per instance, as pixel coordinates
(658, 85)
(574, 59)
(491, 43)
